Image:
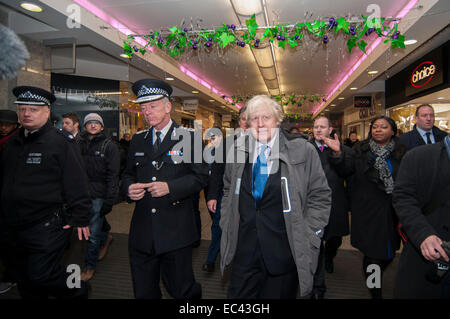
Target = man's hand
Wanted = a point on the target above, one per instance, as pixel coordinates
(137, 191)
(333, 143)
(81, 231)
(212, 205)
(158, 189)
(431, 248)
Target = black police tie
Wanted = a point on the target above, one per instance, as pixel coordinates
(157, 142)
(428, 138)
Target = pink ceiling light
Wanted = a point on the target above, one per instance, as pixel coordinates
(401, 14)
(204, 83)
(113, 22)
(122, 28)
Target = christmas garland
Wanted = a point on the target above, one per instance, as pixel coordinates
(298, 116)
(177, 40)
(285, 99)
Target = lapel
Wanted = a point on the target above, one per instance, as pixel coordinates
(166, 144)
(418, 138)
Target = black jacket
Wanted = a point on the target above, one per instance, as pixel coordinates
(167, 223)
(373, 223)
(423, 176)
(40, 173)
(102, 166)
(338, 224)
(413, 139)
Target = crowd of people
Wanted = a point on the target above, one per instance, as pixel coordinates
(279, 201)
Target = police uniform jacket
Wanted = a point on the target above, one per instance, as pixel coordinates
(40, 173)
(166, 223)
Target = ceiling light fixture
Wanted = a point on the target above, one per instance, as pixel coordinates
(169, 78)
(341, 98)
(441, 98)
(353, 89)
(126, 56)
(372, 72)
(247, 7)
(264, 55)
(212, 100)
(195, 92)
(31, 7)
(410, 41)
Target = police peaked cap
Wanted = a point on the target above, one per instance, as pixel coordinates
(31, 95)
(148, 90)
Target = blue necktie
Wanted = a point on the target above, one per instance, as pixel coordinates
(260, 175)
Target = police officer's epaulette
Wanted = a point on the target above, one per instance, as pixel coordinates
(143, 131)
(66, 134)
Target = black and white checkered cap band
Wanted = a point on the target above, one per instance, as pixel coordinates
(32, 99)
(146, 94)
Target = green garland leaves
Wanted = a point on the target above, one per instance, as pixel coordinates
(176, 41)
(284, 99)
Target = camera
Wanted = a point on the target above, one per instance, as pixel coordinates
(440, 266)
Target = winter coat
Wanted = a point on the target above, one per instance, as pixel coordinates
(338, 224)
(423, 177)
(306, 202)
(102, 162)
(413, 138)
(373, 220)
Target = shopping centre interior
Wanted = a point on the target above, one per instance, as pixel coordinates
(89, 54)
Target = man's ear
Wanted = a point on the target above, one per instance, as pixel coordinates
(169, 107)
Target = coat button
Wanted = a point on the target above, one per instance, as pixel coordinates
(153, 210)
(153, 178)
(174, 203)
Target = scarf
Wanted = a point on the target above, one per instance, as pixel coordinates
(382, 154)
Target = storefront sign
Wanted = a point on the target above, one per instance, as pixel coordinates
(362, 101)
(365, 113)
(190, 104)
(425, 73)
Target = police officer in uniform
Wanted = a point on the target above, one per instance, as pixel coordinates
(42, 170)
(163, 226)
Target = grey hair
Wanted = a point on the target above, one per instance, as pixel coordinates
(259, 100)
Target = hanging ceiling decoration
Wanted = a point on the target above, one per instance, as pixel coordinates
(177, 40)
(285, 99)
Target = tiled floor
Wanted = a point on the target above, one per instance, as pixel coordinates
(113, 279)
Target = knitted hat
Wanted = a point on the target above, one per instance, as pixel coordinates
(93, 117)
(8, 116)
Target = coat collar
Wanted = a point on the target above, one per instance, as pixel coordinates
(167, 142)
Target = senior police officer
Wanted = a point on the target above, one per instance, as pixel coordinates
(163, 226)
(42, 170)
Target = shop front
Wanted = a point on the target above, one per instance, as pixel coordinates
(357, 117)
(425, 81)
